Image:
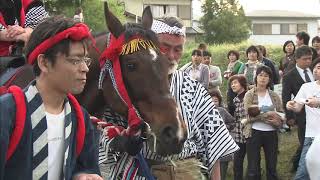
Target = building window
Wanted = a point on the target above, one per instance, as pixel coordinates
(302, 27)
(262, 29)
(184, 12)
(292, 29)
(162, 10)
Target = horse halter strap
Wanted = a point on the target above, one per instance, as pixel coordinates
(77, 32)
(110, 63)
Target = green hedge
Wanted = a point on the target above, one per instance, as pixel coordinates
(219, 55)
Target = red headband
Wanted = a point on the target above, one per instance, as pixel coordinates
(76, 33)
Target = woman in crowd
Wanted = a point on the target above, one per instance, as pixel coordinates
(215, 79)
(288, 61)
(249, 68)
(233, 68)
(198, 71)
(261, 104)
(234, 64)
(238, 84)
(230, 123)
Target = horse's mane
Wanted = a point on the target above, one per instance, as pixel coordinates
(132, 29)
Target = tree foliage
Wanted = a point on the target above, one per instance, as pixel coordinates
(224, 21)
(93, 11)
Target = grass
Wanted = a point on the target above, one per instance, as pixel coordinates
(288, 143)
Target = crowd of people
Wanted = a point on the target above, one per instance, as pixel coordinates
(258, 111)
(217, 134)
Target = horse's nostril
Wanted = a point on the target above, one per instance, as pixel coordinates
(169, 133)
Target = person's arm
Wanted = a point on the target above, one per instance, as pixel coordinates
(205, 76)
(218, 80)
(215, 174)
(228, 119)
(242, 68)
(294, 106)
(7, 114)
(87, 161)
(286, 96)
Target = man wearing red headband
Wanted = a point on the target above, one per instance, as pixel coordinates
(208, 136)
(17, 20)
(57, 140)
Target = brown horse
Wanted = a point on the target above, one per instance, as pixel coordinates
(145, 74)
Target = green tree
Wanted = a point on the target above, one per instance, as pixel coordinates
(224, 21)
(93, 11)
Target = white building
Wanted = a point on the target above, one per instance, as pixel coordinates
(278, 26)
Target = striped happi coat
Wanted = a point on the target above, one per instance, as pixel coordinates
(30, 160)
(208, 137)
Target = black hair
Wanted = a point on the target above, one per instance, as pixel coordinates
(285, 45)
(304, 36)
(267, 70)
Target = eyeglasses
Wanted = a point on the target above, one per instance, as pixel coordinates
(76, 60)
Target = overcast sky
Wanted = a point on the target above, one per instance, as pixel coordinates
(306, 6)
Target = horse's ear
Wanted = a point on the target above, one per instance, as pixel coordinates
(113, 23)
(147, 18)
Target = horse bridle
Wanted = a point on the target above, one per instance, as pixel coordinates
(108, 69)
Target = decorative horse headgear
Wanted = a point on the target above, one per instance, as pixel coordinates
(109, 62)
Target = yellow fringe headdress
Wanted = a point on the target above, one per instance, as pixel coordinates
(135, 45)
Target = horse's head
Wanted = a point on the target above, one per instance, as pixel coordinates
(145, 74)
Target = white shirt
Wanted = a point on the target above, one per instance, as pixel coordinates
(55, 125)
(262, 126)
(306, 91)
(312, 159)
(301, 72)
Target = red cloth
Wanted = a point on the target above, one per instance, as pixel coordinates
(112, 53)
(77, 32)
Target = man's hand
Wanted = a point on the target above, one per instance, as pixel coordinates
(15, 30)
(83, 176)
(295, 106)
(313, 102)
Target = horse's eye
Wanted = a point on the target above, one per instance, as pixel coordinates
(131, 67)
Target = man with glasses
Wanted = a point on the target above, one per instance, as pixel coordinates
(57, 139)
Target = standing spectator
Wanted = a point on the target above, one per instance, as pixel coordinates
(215, 79)
(78, 15)
(291, 83)
(249, 68)
(203, 47)
(288, 61)
(234, 67)
(230, 123)
(302, 38)
(261, 127)
(234, 64)
(316, 44)
(18, 18)
(238, 84)
(198, 71)
(267, 62)
(308, 97)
